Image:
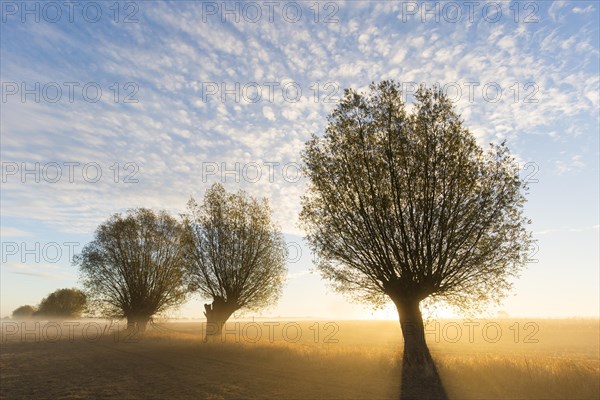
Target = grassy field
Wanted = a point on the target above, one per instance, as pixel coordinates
(481, 359)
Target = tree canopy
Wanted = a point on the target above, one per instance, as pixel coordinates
(62, 303)
(237, 254)
(26, 311)
(135, 266)
(403, 203)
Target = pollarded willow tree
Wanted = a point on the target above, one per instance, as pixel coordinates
(135, 266)
(404, 205)
(237, 254)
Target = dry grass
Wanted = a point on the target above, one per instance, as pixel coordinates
(172, 361)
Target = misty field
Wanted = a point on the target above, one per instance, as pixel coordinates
(274, 359)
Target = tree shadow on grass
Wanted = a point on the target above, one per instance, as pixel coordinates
(420, 379)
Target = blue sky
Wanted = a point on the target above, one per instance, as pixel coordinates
(148, 103)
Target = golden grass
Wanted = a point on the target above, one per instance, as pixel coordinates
(172, 360)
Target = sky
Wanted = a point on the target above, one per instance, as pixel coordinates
(108, 106)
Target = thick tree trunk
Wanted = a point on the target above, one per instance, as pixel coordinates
(413, 331)
(142, 323)
(130, 323)
(217, 315)
(137, 323)
(420, 378)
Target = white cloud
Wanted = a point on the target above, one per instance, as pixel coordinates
(173, 129)
(567, 229)
(298, 274)
(268, 113)
(555, 8)
(574, 164)
(9, 232)
(43, 270)
(507, 43)
(400, 55)
(579, 10)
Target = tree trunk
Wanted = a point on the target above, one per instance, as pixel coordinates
(137, 323)
(130, 323)
(413, 331)
(217, 315)
(142, 323)
(420, 378)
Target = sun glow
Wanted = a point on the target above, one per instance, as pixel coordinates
(389, 312)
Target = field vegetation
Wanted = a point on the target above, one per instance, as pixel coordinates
(548, 359)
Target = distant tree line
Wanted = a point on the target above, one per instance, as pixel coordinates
(60, 304)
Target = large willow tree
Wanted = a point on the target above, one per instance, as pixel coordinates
(237, 254)
(404, 205)
(134, 268)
